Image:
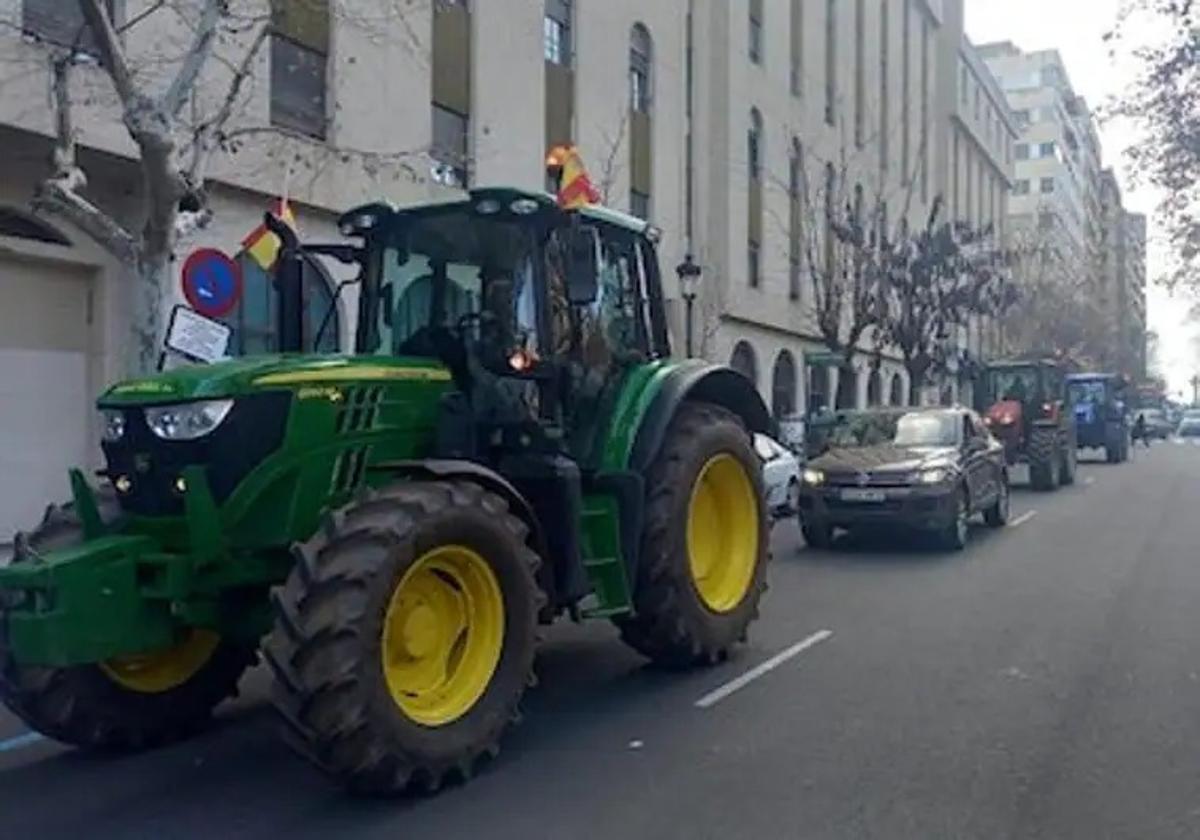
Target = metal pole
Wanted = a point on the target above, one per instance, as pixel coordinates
(688, 301)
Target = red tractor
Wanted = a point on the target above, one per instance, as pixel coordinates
(1024, 404)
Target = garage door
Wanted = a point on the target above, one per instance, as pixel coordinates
(45, 395)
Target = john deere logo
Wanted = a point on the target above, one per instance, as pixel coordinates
(145, 386)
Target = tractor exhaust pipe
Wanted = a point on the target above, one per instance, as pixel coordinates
(289, 276)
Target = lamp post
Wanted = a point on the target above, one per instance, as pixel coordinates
(689, 278)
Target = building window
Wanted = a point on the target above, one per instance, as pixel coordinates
(754, 144)
(753, 264)
(639, 69)
(924, 150)
(254, 323)
(639, 204)
(795, 186)
(1022, 151)
(60, 23)
(756, 31)
(797, 47)
(556, 32)
(450, 133)
(1047, 150)
(905, 93)
(1045, 220)
(1021, 187)
(830, 60)
(1046, 185)
(962, 83)
(299, 52)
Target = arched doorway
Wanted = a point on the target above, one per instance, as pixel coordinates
(874, 389)
(897, 395)
(847, 392)
(744, 361)
(783, 385)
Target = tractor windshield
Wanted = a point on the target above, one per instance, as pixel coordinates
(1020, 384)
(441, 270)
(1088, 391)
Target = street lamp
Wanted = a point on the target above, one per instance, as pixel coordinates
(689, 279)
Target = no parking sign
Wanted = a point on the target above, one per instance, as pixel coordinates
(212, 282)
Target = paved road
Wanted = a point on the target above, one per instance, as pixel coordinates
(1043, 684)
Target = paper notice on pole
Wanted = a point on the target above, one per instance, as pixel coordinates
(196, 337)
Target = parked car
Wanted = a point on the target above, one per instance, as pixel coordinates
(934, 470)
(781, 475)
(1189, 427)
(1157, 424)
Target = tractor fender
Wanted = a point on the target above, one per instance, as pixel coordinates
(700, 382)
(445, 469)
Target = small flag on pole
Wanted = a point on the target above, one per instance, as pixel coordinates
(575, 188)
(262, 245)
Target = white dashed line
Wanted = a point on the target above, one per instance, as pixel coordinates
(1089, 481)
(721, 692)
(1022, 519)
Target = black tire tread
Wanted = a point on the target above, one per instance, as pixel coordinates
(660, 628)
(314, 649)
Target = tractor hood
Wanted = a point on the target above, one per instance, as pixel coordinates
(258, 373)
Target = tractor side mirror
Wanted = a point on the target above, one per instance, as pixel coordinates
(583, 270)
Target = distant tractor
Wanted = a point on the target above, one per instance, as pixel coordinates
(1101, 414)
(511, 442)
(1024, 404)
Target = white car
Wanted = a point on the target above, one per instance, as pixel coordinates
(781, 475)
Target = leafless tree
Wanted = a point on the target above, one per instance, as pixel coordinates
(181, 111)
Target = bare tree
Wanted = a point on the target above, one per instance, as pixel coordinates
(1162, 103)
(935, 281)
(178, 126)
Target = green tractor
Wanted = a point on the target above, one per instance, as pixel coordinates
(510, 443)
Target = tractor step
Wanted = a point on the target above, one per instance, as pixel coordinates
(602, 559)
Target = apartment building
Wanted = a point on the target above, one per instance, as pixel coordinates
(1131, 327)
(983, 134)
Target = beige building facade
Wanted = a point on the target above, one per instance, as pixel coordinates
(704, 116)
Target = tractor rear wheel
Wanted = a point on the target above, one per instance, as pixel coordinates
(1044, 461)
(702, 568)
(129, 702)
(404, 636)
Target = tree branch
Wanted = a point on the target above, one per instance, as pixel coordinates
(59, 194)
(193, 61)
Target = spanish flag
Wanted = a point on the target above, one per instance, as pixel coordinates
(575, 188)
(262, 245)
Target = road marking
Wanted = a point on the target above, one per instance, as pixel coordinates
(19, 742)
(1089, 481)
(721, 692)
(1022, 519)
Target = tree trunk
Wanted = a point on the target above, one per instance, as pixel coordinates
(916, 379)
(146, 317)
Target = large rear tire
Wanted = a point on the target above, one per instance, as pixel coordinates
(405, 635)
(1044, 459)
(128, 703)
(702, 568)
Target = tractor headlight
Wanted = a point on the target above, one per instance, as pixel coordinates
(113, 425)
(813, 477)
(936, 475)
(187, 421)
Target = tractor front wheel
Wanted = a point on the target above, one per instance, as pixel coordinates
(405, 635)
(702, 568)
(126, 703)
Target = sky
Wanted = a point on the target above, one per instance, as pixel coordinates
(1075, 28)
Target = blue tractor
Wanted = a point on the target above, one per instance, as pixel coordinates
(1101, 413)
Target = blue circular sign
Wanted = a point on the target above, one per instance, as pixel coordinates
(212, 282)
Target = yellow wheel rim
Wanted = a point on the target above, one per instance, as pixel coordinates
(442, 635)
(722, 533)
(154, 673)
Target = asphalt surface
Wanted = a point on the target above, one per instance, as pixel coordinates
(1045, 683)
